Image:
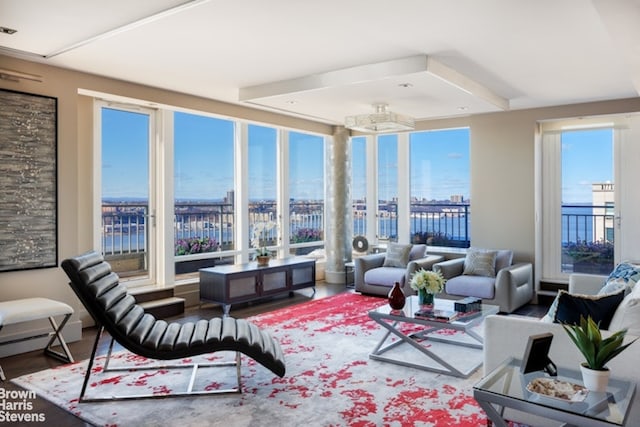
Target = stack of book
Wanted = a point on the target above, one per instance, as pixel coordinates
(439, 315)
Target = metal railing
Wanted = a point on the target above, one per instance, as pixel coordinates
(587, 230)
(441, 224)
(124, 228)
(124, 225)
(587, 238)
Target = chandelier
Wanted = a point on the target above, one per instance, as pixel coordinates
(380, 121)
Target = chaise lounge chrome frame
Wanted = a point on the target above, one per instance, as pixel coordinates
(115, 311)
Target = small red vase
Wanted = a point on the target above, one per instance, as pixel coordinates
(396, 297)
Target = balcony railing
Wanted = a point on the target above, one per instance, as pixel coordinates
(587, 230)
(205, 227)
(587, 239)
(441, 224)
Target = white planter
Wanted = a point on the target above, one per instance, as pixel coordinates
(594, 380)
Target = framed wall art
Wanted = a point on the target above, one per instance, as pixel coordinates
(28, 181)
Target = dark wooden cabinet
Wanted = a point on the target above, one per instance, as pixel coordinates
(232, 284)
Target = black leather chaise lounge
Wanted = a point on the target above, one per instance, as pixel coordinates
(115, 310)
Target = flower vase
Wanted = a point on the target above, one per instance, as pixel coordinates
(396, 297)
(263, 260)
(425, 298)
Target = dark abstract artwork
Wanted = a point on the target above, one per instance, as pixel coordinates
(28, 196)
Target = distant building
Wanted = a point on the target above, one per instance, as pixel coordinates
(229, 197)
(457, 198)
(602, 195)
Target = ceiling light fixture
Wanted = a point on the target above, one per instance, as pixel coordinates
(382, 120)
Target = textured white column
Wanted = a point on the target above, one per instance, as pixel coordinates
(339, 223)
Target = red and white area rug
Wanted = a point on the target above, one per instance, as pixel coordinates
(330, 381)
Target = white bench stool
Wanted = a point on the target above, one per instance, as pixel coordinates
(28, 309)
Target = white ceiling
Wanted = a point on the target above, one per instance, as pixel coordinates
(314, 58)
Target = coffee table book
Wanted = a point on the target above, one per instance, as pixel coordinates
(437, 314)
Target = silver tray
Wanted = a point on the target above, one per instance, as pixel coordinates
(557, 389)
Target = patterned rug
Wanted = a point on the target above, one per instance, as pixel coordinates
(330, 381)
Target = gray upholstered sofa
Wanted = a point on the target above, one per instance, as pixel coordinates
(371, 276)
(510, 287)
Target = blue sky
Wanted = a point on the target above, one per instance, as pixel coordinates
(587, 158)
(204, 161)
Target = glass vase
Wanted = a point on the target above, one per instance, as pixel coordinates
(425, 298)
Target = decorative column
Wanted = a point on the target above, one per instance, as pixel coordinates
(339, 223)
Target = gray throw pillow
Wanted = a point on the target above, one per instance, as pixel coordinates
(480, 262)
(397, 255)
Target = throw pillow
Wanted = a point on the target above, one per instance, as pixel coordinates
(397, 255)
(504, 258)
(601, 308)
(480, 262)
(627, 316)
(417, 251)
(623, 277)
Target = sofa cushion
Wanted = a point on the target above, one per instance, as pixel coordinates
(476, 286)
(601, 308)
(480, 262)
(385, 276)
(504, 258)
(397, 255)
(627, 316)
(623, 277)
(417, 252)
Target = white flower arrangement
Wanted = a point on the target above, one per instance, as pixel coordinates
(430, 281)
(261, 231)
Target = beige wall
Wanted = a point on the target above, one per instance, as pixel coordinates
(502, 164)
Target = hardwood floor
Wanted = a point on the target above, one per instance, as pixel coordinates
(22, 364)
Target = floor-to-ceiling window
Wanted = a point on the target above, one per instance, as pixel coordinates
(431, 187)
(306, 191)
(126, 193)
(204, 202)
(440, 182)
(359, 185)
(263, 186)
(588, 195)
(387, 213)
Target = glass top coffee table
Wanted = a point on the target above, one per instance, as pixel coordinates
(506, 386)
(403, 327)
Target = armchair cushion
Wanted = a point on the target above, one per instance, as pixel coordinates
(601, 308)
(384, 276)
(480, 262)
(397, 255)
(472, 286)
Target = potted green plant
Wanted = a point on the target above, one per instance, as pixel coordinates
(596, 351)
